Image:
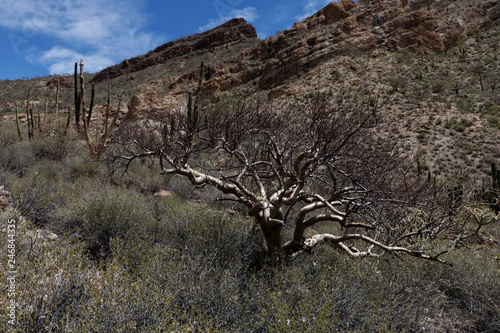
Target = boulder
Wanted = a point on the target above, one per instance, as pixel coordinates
(145, 102)
(163, 194)
(42, 234)
(279, 91)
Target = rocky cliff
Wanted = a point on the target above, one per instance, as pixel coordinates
(226, 35)
(370, 26)
(341, 28)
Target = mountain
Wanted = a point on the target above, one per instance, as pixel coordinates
(366, 27)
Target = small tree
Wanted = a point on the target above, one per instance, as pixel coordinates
(314, 171)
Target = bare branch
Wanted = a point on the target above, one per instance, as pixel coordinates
(317, 239)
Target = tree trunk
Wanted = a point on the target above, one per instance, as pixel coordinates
(272, 238)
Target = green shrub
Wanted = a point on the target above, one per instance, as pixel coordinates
(51, 148)
(107, 213)
(37, 197)
(465, 104)
(189, 266)
(492, 114)
(18, 157)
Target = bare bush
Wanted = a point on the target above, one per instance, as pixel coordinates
(316, 168)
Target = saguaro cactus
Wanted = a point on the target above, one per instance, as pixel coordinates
(493, 194)
(192, 111)
(77, 96)
(92, 95)
(29, 115)
(57, 105)
(18, 122)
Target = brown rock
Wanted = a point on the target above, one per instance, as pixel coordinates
(281, 91)
(4, 202)
(415, 31)
(353, 29)
(52, 83)
(341, 28)
(144, 102)
(234, 31)
(4, 104)
(42, 234)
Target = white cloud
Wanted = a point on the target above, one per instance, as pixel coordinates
(248, 13)
(62, 60)
(101, 32)
(311, 7)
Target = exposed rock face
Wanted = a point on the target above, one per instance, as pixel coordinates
(146, 103)
(5, 104)
(459, 19)
(233, 31)
(52, 83)
(348, 28)
(281, 91)
(341, 28)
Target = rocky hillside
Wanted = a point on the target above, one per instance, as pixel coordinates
(341, 28)
(440, 59)
(232, 32)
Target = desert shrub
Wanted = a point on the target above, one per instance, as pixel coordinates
(25, 156)
(492, 114)
(37, 197)
(83, 169)
(180, 186)
(438, 87)
(196, 230)
(18, 157)
(107, 213)
(51, 148)
(196, 278)
(8, 135)
(465, 104)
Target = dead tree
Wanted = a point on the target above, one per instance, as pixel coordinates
(311, 165)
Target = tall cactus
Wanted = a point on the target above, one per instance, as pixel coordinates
(68, 120)
(495, 174)
(18, 122)
(92, 95)
(198, 100)
(77, 96)
(29, 116)
(57, 105)
(190, 106)
(493, 195)
(39, 121)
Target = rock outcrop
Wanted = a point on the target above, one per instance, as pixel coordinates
(5, 104)
(365, 27)
(231, 32)
(348, 28)
(460, 19)
(52, 83)
(163, 194)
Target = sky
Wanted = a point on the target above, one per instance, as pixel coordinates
(42, 37)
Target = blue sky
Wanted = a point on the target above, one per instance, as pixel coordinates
(41, 37)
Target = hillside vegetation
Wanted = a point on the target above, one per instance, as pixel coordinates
(127, 261)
